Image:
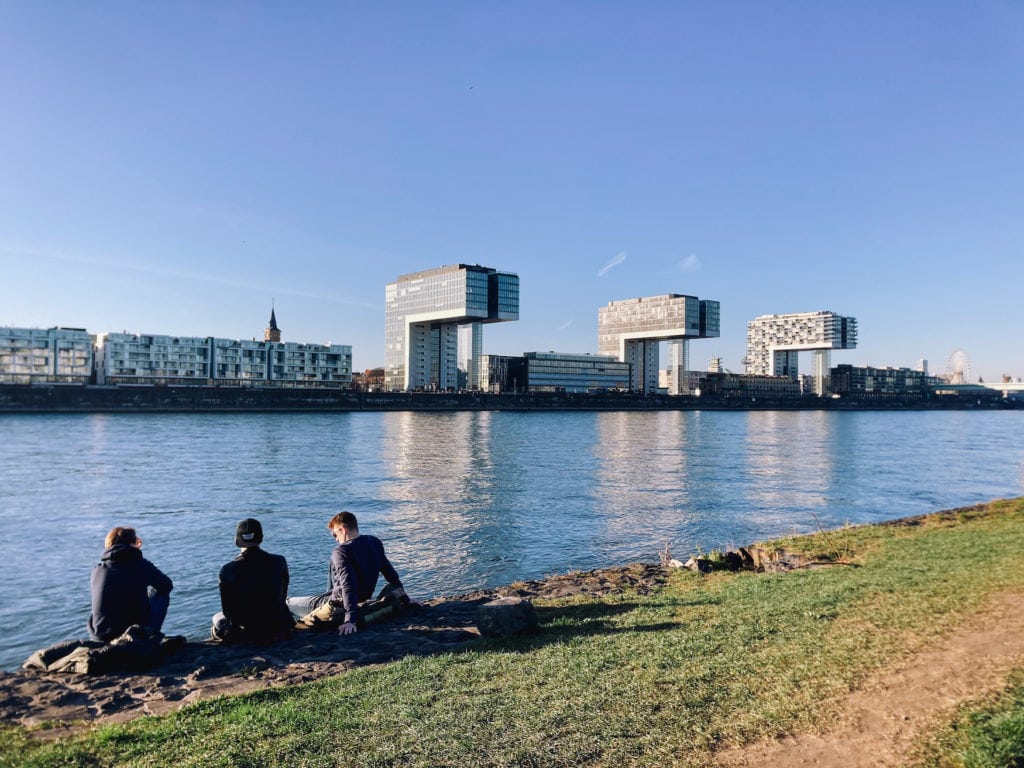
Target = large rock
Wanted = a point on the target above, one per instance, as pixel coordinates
(505, 617)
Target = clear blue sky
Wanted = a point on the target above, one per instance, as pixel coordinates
(175, 167)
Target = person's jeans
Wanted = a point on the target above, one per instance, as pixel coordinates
(158, 605)
(300, 606)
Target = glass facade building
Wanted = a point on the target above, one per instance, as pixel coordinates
(881, 382)
(563, 372)
(553, 372)
(722, 384)
(630, 330)
(422, 315)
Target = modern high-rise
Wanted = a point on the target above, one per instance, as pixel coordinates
(773, 342)
(630, 330)
(422, 314)
(471, 350)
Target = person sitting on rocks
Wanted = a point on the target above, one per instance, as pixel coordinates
(253, 590)
(355, 565)
(127, 589)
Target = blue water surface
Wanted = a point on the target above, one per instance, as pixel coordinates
(463, 500)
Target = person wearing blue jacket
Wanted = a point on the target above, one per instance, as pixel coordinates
(356, 564)
(126, 589)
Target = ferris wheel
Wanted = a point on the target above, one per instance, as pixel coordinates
(958, 368)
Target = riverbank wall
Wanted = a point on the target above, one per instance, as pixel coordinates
(26, 398)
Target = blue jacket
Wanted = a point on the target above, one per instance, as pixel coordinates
(355, 566)
(120, 594)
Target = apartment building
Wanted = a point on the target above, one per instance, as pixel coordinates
(774, 341)
(45, 356)
(127, 358)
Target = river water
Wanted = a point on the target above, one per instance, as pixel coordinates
(463, 500)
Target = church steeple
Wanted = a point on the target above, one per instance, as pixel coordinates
(272, 332)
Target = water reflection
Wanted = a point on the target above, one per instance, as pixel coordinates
(790, 458)
(642, 484)
(440, 496)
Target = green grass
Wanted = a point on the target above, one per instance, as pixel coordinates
(654, 680)
(989, 734)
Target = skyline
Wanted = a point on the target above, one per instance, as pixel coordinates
(182, 169)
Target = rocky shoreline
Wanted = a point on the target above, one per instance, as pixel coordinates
(54, 704)
(65, 703)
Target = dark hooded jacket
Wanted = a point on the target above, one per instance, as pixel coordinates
(120, 596)
(253, 588)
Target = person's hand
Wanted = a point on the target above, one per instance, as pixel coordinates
(347, 628)
(407, 601)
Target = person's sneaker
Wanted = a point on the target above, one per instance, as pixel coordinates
(130, 635)
(172, 644)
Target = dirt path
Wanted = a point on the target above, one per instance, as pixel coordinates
(880, 721)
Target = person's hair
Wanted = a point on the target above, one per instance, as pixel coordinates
(120, 535)
(346, 520)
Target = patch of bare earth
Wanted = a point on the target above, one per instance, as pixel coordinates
(879, 722)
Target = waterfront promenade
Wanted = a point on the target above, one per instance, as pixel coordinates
(151, 399)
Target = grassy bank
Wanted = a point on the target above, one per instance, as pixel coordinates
(986, 734)
(658, 680)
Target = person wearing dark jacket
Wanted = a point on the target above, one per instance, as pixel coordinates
(356, 564)
(126, 589)
(253, 588)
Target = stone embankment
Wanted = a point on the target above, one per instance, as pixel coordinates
(26, 398)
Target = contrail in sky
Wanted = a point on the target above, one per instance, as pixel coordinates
(690, 264)
(178, 275)
(616, 260)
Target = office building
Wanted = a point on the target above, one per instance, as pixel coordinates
(774, 341)
(553, 372)
(880, 382)
(422, 314)
(748, 386)
(631, 330)
(495, 376)
(471, 349)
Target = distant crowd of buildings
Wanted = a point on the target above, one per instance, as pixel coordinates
(434, 342)
(74, 356)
